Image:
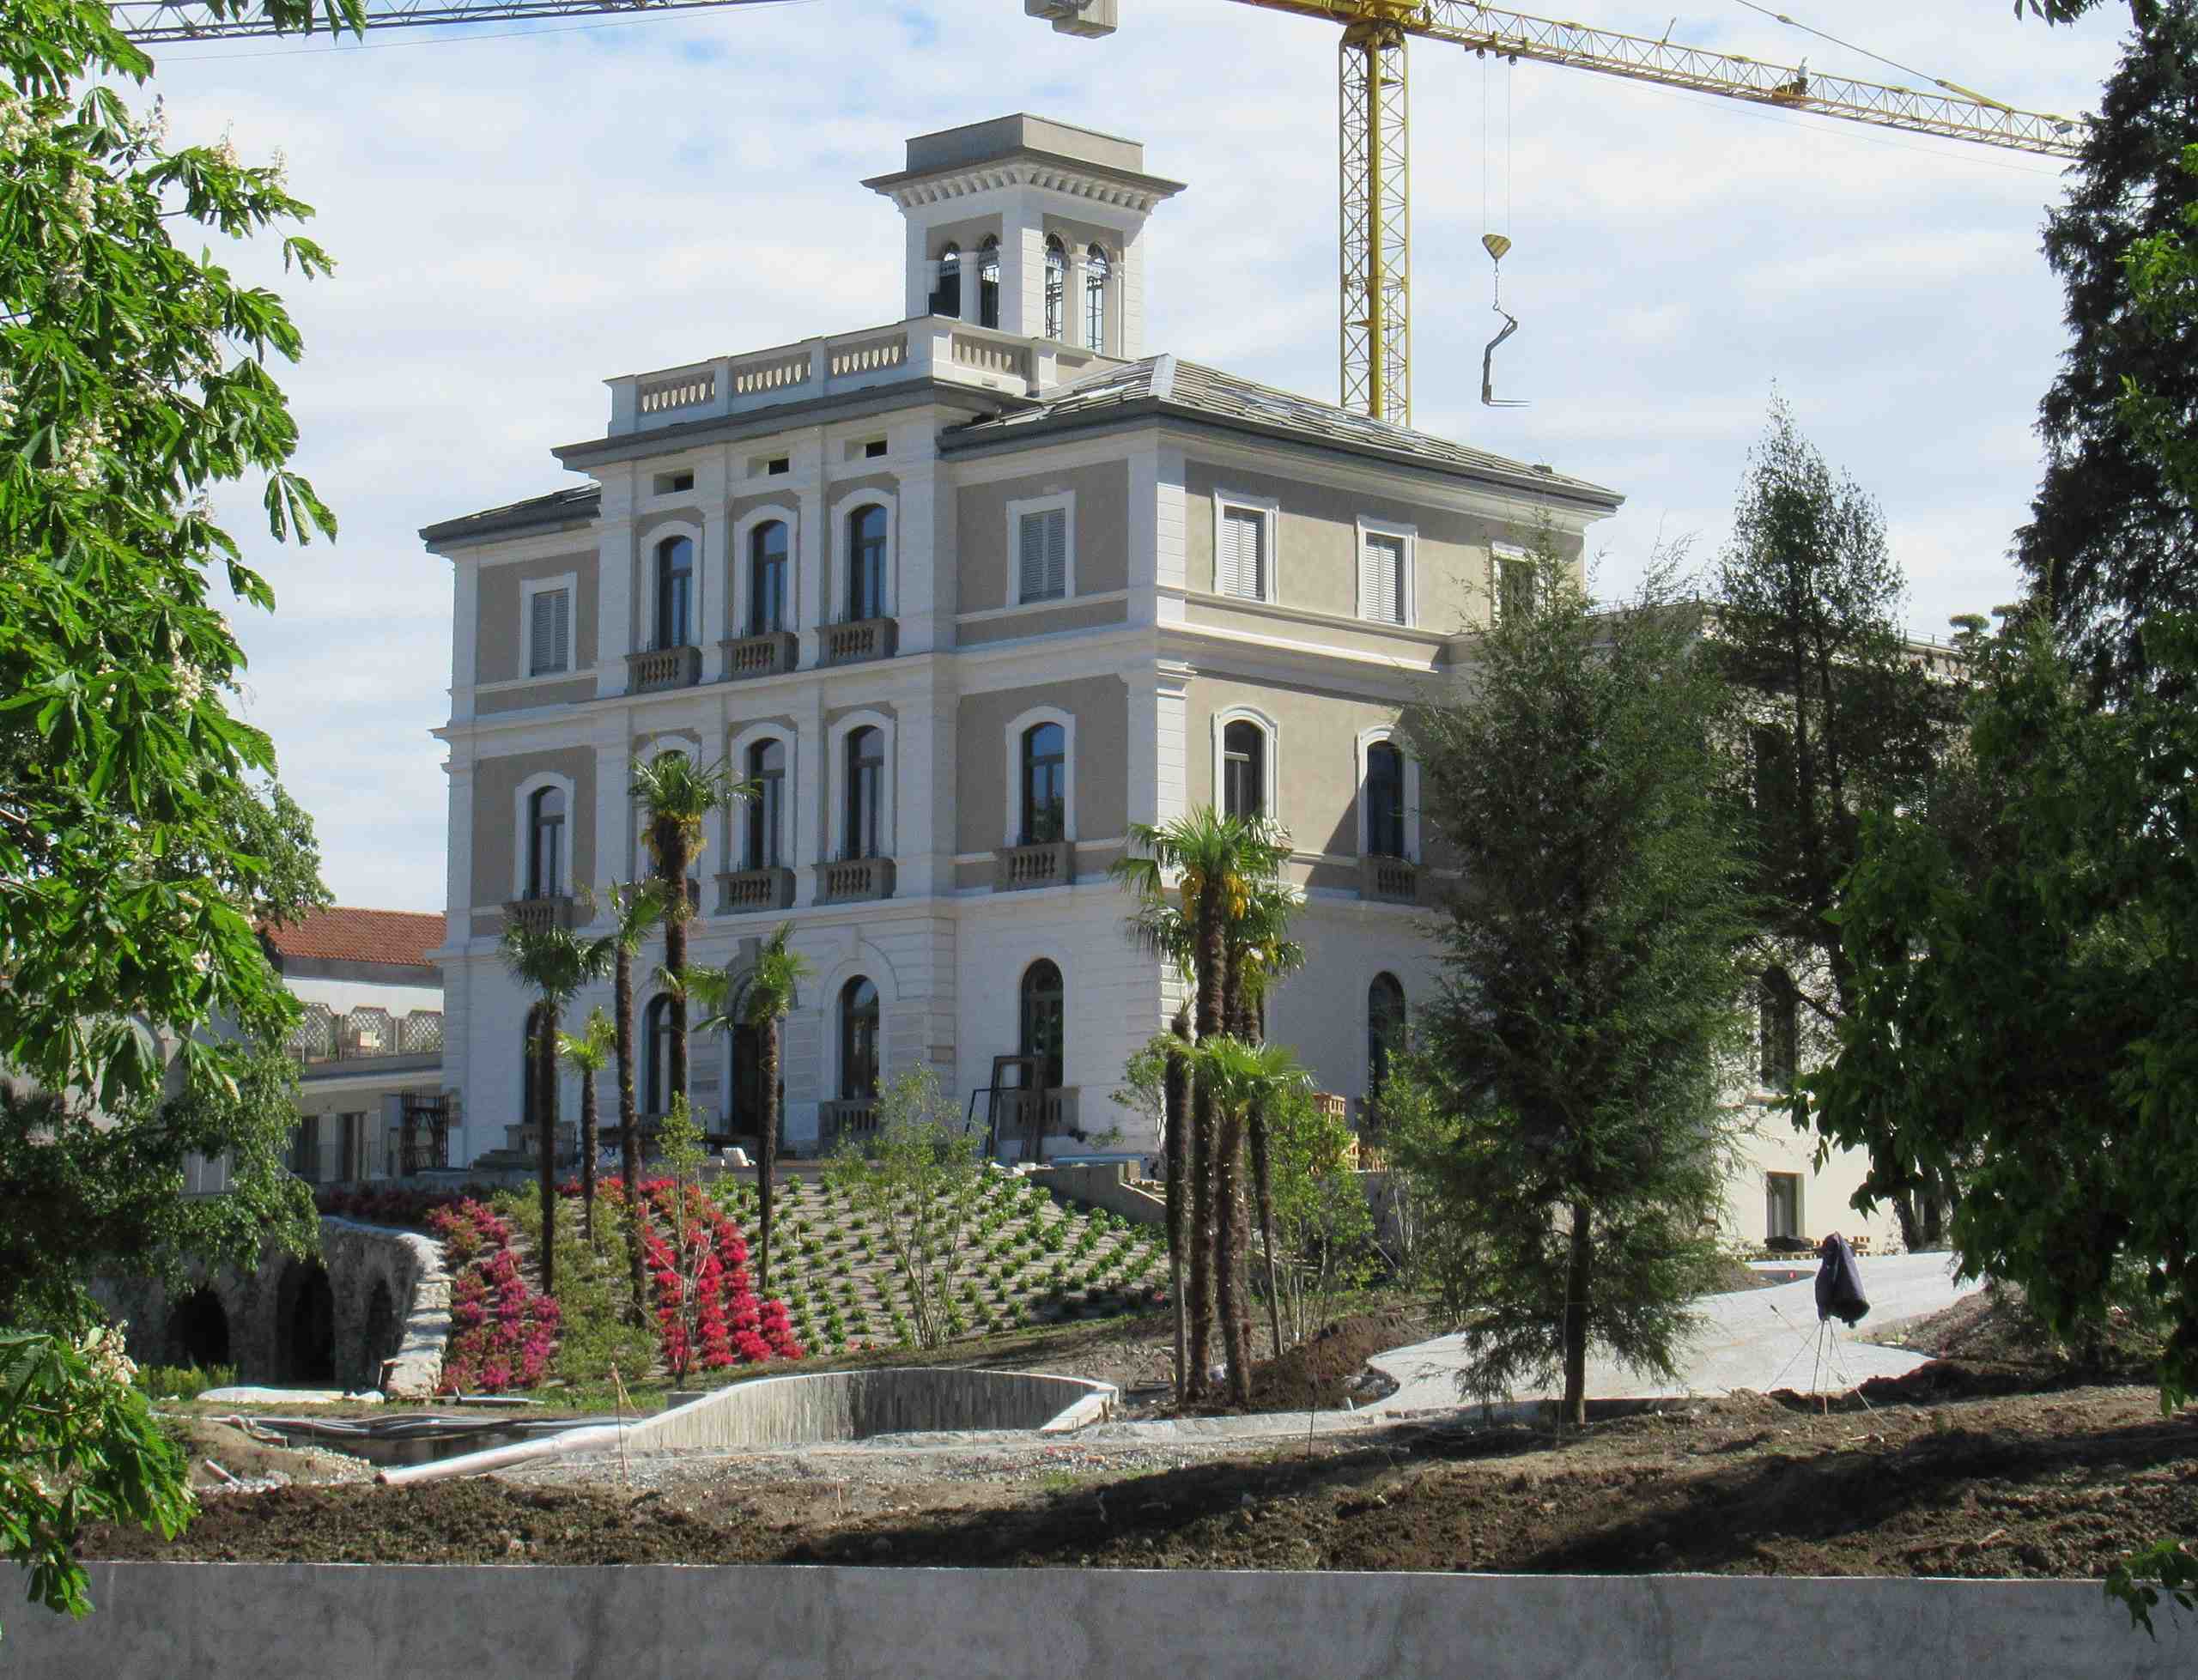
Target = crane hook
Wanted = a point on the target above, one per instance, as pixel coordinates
(1497, 246)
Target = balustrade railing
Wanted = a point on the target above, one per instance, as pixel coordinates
(1389, 880)
(536, 915)
(870, 355)
(852, 879)
(683, 388)
(848, 1119)
(1049, 864)
(770, 370)
(771, 654)
(323, 1034)
(743, 892)
(662, 668)
(862, 638)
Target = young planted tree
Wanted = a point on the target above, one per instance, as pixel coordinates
(677, 797)
(1592, 976)
(1176, 1118)
(588, 1050)
(761, 998)
(1835, 718)
(1262, 953)
(554, 963)
(635, 908)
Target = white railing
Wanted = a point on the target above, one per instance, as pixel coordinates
(683, 388)
(771, 370)
(869, 355)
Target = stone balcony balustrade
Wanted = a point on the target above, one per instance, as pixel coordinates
(857, 641)
(854, 879)
(746, 891)
(1388, 880)
(662, 668)
(1047, 863)
(774, 653)
(536, 914)
(850, 1120)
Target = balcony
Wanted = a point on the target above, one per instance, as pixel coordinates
(772, 654)
(745, 892)
(323, 1037)
(928, 347)
(662, 668)
(847, 1120)
(536, 915)
(1049, 864)
(862, 639)
(1388, 880)
(854, 879)
(1054, 1108)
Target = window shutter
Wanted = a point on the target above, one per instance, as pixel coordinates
(1031, 559)
(560, 632)
(1380, 579)
(1056, 524)
(550, 633)
(1239, 562)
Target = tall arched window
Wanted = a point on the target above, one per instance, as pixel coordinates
(1778, 1029)
(1056, 288)
(988, 282)
(767, 578)
(1385, 1029)
(545, 843)
(1045, 784)
(1095, 269)
(1044, 1012)
(865, 805)
(865, 563)
(1243, 770)
(858, 1039)
(1385, 800)
(675, 591)
(766, 771)
(656, 1055)
(947, 300)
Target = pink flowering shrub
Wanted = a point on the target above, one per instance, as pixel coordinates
(503, 1331)
(708, 1316)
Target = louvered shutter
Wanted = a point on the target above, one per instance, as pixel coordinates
(1056, 524)
(1041, 560)
(546, 635)
(561, 632)
(1239, 563)
(1380, 579)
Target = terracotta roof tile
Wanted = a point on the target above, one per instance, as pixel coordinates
(345, 935)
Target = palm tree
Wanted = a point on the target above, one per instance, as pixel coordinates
(1261, 954)
(556, 962)
(588, 1050)
(1176, 1103)
(1220, 859)
(762, 998)
(637, 907)
(1244, 1079)
(678, 798)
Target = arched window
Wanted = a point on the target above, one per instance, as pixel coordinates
(656, 1057)
(988, 282)
(1243, 770)
(767, 578)
(1385, 1029)
(545, 843)
(675, 591)
(1385, 801)
(1056, 288)
(947, 300)
(1095, 269)
(766, 770)
(1043, 1014)
(865, 804)
(865, 563)
(858, 1039)
(1778, 1029)
(1045, 784)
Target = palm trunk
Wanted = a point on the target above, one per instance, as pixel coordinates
(589, 1143)
(545, 1105)
(767, 1159)
(629, 1132)
(1211, 955)
(675, 959)
(1264, 1188)
(1578, 1277)
(1229, 1253)
(1176, 1105)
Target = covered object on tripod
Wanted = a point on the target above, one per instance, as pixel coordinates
(1839, 1283)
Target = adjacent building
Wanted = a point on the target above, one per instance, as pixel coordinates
(965, 596)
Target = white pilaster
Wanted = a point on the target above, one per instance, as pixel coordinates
(613, 581)
(1171, 742)
(713, 565)
(972, 268)
(466, 637)
(812, 540)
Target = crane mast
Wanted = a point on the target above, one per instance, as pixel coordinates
(1375, 154)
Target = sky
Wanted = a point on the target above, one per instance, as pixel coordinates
(519, 211)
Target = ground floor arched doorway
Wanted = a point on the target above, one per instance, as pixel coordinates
(305, 1325)
(198, 1331)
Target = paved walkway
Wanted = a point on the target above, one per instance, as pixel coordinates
(1758, 1339)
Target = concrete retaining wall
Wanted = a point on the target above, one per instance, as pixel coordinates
(335, 1623)
(1103, 1184)
(848, 1405)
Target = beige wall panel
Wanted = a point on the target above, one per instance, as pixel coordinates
(1102, 557)
(1082, 235)
(1088, 615)
(1223, 613)
(1099, 767)
(546, 693)
(496, 783)
(502, 638)
(1316, 544)
(741, 506)
(1316, 769)
(969, 234)
(840, 489)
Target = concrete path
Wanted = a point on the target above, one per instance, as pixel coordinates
(1758, 1339)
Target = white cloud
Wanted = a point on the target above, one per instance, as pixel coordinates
(517, 217)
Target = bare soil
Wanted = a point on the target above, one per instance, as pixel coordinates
(1951, 1470)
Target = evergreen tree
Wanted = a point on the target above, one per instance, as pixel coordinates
(1593, 971)
(2112, 537)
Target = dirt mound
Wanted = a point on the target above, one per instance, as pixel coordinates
(1994, 1330)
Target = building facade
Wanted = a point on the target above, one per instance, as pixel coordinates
(965, 596)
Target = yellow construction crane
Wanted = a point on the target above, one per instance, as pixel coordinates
(1375, 151)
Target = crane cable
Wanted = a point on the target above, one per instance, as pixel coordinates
(1908, 69)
